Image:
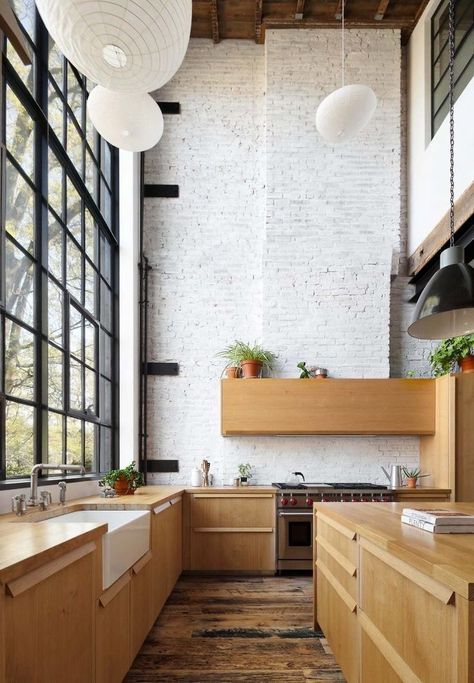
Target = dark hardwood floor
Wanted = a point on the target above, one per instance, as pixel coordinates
(228, 629)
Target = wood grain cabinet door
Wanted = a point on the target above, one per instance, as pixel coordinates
(50, 621)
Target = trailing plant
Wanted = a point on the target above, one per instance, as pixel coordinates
(132, 476)
(449, 352)
(240, 351)
(305, 372)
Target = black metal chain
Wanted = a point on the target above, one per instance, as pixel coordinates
(451, 119)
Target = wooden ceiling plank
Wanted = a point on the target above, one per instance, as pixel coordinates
(299, 12)
(338, 14)
(214, 20)
(420, 11)
(381, 9)
(259, 29)
(9, 26)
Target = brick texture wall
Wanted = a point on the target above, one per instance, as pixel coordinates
(277, 236)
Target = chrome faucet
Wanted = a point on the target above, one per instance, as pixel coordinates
(62, 492)
(36, 469)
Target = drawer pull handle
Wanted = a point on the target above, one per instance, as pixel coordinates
(337, 556)
(339, 588)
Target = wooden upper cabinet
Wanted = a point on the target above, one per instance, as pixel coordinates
(328, 406)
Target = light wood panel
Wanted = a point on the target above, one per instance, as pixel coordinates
(141, 604)
(51, 627)
(464, 464)
(230, 532)
(328, 406)
(113, 632)
(167, 551)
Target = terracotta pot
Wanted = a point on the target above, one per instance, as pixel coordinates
(232, 372)
(251, 369)
(411, 482)
(123, 488)
(467, 364)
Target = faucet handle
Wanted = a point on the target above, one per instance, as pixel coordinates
(19, 504)
(45, 500)
(62, 492)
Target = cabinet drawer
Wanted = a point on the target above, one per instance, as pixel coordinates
(343, 571)
(232, 511)
(230, 551)
(337, 537)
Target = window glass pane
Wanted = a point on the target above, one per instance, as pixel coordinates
(74, 270)
(25, 71)
(55, 248)
(26, 15)
(74, 95)
(106, 400)
(73, 211)
(74, 441)
(55, 378)
(19, 133)
(55, 313)
(105, 203)
(89, 445)
(56, 112)
(55, 437)
(19, 209)
(20, 438)
(19, 361)
(19, 290)
(76, 385)
(56, 64)
(74, 146)
(106, 354)
(89, 336)
(76, 322)
(105, 305)
(105, 462)
(90, 287)
(105, 258)
(107, 162)
(91, 176)
(90, 392)
(55, 183)
(90, 237)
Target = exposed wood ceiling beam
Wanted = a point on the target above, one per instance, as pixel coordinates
(299, 13)
(9, 26)
(338, 14)
(280, 22)
(381, 9)
(214, 21)
(259, 31)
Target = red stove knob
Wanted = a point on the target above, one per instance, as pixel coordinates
(293, 501)
(309, 502)
(284, 501)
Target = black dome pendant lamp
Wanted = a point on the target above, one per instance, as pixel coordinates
(446, 306)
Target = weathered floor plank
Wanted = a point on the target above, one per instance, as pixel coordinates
(236, 630)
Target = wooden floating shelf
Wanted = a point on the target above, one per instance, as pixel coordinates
(328, 406)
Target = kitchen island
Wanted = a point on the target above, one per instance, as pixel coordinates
(396, 603)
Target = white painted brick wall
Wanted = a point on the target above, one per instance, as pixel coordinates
(276, 236)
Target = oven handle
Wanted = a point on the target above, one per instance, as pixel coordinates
(294, 514)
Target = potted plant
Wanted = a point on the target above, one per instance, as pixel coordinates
(251, 360)
(125, 481)
(245, 471)
(311, 373)
(413, 476)
(449, 352)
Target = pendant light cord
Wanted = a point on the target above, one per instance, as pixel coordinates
(343, 55)
(451, 121)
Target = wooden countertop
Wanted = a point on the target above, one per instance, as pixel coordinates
(448, 558)
(25, 545)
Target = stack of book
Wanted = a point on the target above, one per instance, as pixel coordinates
(439, 521)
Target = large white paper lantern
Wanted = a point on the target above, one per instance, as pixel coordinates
(345, 112)
(134, 123)
(124, 45)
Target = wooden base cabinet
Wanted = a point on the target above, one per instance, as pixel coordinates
(113, 633)
(230, 532)
(167, 551)
(49, 621)
(141, 605)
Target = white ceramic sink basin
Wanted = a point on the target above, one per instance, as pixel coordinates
(127, 538)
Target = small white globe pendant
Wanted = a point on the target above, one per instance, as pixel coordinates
(123, 45)
(133, 123)
(345, 112)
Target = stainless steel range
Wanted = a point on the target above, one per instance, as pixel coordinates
(295, 515)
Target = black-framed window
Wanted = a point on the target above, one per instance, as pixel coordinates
(463, 60)
(58, 289)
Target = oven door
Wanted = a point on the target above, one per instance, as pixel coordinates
(295, 535)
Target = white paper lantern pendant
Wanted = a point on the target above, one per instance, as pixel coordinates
(347, 110)
(114, 56)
